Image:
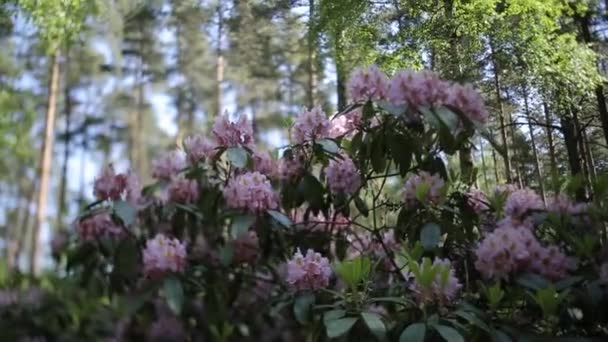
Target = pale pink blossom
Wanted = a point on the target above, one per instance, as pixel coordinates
(369, 83)
(98, 225)
(320, 223)
(183, 190)
(163, 254)
(417, 89)
(167, 328)
(168, 164)
(310, 125)
(522, 202)
(431, 188)
(263, 163)
(343, 176)
(199, 148)
(309, 272)
(561, 204)
(444, 288)
(112, 186)
(251, 191)
(467, 100)
(346, 123)
(368, 244)
(246, 248)
(477, 200)
(231, 134)
(550, 262)
(505, 251)
(291, 166)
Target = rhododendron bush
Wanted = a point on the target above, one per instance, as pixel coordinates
(357, 231)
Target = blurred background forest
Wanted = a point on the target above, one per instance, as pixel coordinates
(84, 83)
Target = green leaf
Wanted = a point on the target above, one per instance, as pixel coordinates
(338, 327)
(430, 236)
(471, 318)
(125, 258)
(125, 211)
(500, 336)
(448, 333)
(238, 156)
(368, 110)
(422, 191)
(352, 272)
(361, 206)
(333, 315)
(226, 254)
(413, 333)
(532, 281)
(312, 191)
(329, 146)
(302, 307)
(378, 154)
(174, 294)
(392, 109)
(280, 218)
(375, 324)
(240, 225)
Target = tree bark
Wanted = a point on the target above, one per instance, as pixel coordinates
(570, 140)
(66, 142)
(46, 160)
(340, 71)
(501, 116)
(219, 75)
(311, 90)
(537, 167)
(552, 154)
(483, 165)
(584, 22)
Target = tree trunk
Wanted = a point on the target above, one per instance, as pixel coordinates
(340, 71)
(46, 160)
(501, 116)
(581, 147)
(552, 154)
(599, 89)
(66, 142)
(495, 161)
(311, 90)
(219, 76)
(589, 160)
(570, 140)
(483, 165)
(537, 167)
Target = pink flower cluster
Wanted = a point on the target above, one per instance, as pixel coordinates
(561, 204)
(369, 83)
(443, 289)
(168, 164)
(343, 176)
(246, 248)
(263, 163)
(163, 254)
(252, 191)
(92, 227)
(346, 123)
(416, 89)
(425, 89)
(291, 167)
(183, 190)
(310, 125)
(230, 134)
(199, 148)
(521, 202)
(112, 186)
(433, 184)
(510, 249)
(477, 200)
(310, 272)
(468, 101)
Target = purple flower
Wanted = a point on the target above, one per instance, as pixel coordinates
(163, 254)
(230, 134)
(310, 272)
(343, 176)
(368, 83)
(310, 125)
(168, 165)
(252, 191)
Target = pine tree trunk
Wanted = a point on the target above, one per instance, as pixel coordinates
(311, 89)
(501, 117)
(584, 22)
(589, 157)
(66, 142)
(495, 161)
(483, 165)
(537, 167)
(552, 154)
(219, 73)
(340, 71)
(570, 140)
(46, 160)
(581, 148)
